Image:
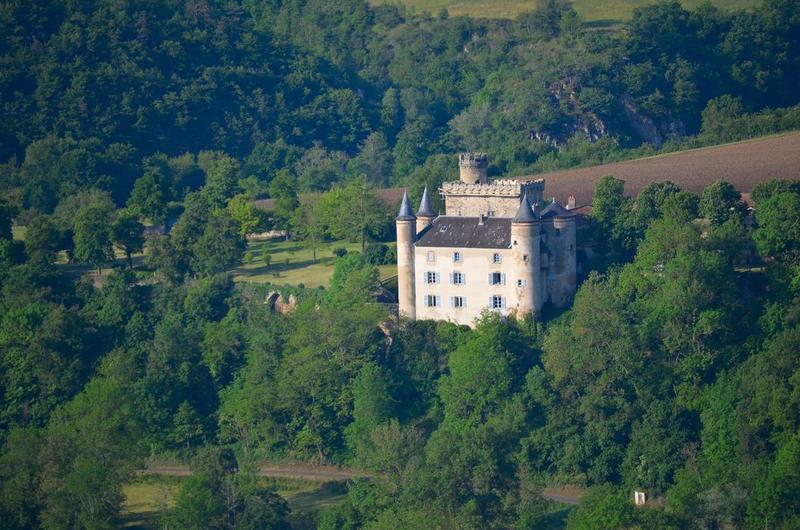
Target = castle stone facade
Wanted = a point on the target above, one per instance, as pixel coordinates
(498, 247)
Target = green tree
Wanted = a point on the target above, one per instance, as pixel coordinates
(371, 407)
(778, 232)
(721, 201)
(354, 212)
(20, 478)
(612, 212)
(93, 242)
(222, 177)
(89, 453)
(221, 245)
(284, 190)
(42, 240)
(151, 193)
(220, 496)
(307, 226)
(249, 217)
(128, 233)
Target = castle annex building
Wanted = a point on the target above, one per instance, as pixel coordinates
(498, 246)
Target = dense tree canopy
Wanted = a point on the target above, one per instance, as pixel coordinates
(675, 371)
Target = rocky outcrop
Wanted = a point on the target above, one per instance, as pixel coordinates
(281, 304)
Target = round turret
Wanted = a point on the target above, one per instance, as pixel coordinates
(406, 236)
(473, 168)
(526, 261)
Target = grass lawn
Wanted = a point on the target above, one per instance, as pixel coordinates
(291, 263)
(149, 498)
(590, 10)
(18, 232)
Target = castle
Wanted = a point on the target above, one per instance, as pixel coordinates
(498, 246)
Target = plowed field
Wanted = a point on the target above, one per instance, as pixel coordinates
(743, 164)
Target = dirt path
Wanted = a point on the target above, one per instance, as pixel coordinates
(274, 470)
(565, 494)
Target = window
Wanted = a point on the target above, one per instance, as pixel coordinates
(558, 232)
(458, 301)
(431, 256)
(497, 278)
(525, 258)
(522, 282)
(432, 300)
(490, 213)
(497, 302)
(457, 257)
(431, 277)
(497, 258)
(457, 278)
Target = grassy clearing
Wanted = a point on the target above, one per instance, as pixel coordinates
(18, 232)
(590, 10)
(149, 498)
(291, 263)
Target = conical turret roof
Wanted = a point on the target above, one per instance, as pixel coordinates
(425, 208)
(525, 214)
(405, 213)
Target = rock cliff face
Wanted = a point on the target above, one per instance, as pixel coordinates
(642, 124)
(592, 127)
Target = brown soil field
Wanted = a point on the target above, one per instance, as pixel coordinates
(743, 164)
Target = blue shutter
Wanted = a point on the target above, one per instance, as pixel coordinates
(503, 279)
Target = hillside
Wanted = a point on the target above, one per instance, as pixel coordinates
(743, 164)
(614, 10)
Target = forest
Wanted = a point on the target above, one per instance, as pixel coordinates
(134, 137)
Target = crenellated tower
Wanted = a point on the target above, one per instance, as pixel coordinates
(473, 168)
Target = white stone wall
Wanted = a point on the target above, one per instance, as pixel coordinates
(476, 265)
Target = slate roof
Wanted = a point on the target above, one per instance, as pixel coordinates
(425, 208)
(556, 210)
(467, 232)
(525, 214)
(405, 213)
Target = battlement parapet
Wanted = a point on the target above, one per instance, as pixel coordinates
(473, 160)
(502, 188)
